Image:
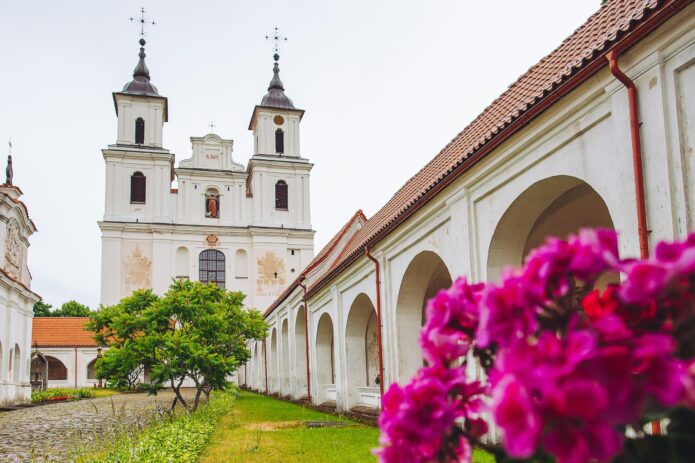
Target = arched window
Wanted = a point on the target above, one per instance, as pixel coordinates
(17, 363)
(138, 187)
(281, 195)
(212, 203)
(212, 267)
(92, 369)
(139, 131)
(279, 141)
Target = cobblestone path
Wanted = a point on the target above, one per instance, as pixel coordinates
(52, 432)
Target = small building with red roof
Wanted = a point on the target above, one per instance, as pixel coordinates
(63, 353)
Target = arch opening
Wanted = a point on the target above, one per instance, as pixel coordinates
(273, 362)
(362, 352)
(57, 371)
(92, 370)
(325, 359)
(300, 351)
(426, 275)
(16, 373)
(556, 206)
(285, 367)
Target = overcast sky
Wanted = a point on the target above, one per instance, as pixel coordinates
(385, 86)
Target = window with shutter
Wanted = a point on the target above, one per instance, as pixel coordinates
(140, 131)
(212, 268)
(281, 195)
(279, 141)
(138, 187)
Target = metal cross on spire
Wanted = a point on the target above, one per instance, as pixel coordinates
(9, 142)
(143, 21)
(212, 127)
(277, 40)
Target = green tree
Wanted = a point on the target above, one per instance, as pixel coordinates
(195, 331)
(41, 309)
(119, 326)
(72, 309)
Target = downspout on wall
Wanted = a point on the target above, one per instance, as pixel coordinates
(378, 317)
(306, 337)
(637, 167)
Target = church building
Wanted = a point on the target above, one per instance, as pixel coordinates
(16, 297)
(245, 228)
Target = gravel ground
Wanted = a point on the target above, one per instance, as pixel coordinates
(49, 432)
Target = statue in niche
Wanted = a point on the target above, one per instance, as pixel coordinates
(212, 206)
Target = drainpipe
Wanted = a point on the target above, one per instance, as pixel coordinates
(633, 105)
(378, 318)
(306, 337)
(265, 365)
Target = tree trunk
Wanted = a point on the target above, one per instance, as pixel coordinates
(177, 391)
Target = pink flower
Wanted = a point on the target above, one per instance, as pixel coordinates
(416, 420)
(507, 313)
(452, 317)
(689, 384)
(593, 441)
(515, 413)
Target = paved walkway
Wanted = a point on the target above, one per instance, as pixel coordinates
(52, 432)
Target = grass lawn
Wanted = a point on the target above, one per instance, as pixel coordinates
(261, 429)
(264, 430)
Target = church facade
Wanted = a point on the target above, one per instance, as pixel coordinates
(16, 297)
(246, 228)
(596, 132)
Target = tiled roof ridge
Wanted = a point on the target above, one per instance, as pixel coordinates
(323, 253)
(529, 94)
(61, 318)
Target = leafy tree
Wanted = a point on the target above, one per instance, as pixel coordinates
(41, 309)
(72, 309)
(195, 331)
(119, 326)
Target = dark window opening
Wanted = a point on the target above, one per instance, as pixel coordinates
(281, 195)
(140, 131)
(212, 267)
(279, 141)
(138, 187)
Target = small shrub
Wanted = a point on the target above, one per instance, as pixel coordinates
(61, 394)
(180, 438)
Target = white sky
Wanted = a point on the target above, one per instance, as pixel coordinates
(385, 86)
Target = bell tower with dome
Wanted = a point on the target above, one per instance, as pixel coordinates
(245, 228)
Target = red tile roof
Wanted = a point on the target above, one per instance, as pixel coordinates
(617, 22)
(61, 332)
(318, 259)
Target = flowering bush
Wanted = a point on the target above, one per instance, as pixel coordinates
(574, 355)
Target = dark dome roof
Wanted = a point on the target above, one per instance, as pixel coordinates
(141, 77)
(276, 97)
